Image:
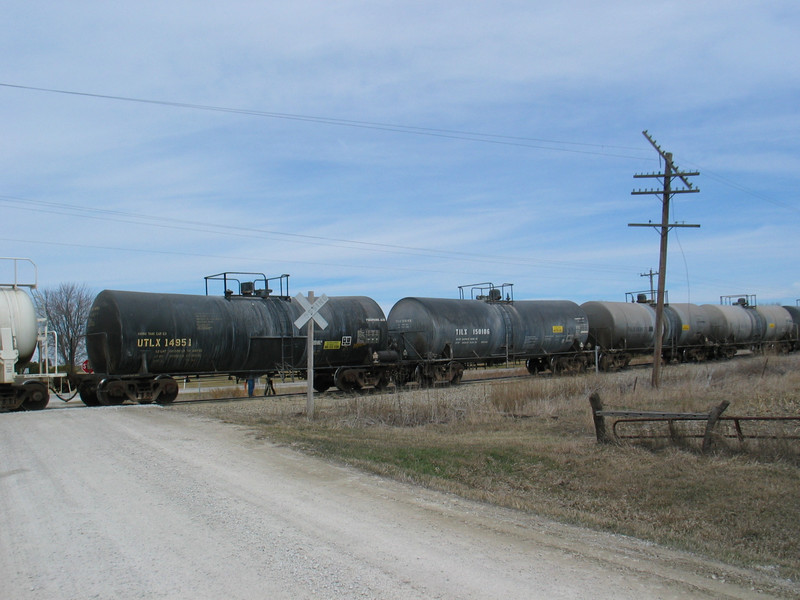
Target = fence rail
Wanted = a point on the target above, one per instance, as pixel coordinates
(740, 428)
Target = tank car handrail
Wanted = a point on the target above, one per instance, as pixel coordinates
(226, 276)
(16, 284)
(487, 285)
(633, 297)
(750, 300)
(44, 349)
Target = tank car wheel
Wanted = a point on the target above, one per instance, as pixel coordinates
(322, 382)
(111, 392)
(401, 378)
(347, 380)
(557, 366)
(88, 393)
(421, 378)
(350, 387)
(382, 383)
(455, 371)
(532, 366)
(168, 389)
(36, 395)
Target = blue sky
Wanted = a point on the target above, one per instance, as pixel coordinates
(397, 149)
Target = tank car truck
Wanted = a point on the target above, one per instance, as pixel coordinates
(138, 343)
(437, 338)
(21, 334)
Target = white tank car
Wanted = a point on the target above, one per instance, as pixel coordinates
(18, 328)
(19, 337)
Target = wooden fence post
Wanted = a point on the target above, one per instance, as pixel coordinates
(599, 421)
(713, 417)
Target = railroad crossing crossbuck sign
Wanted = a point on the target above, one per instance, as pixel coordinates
(310, 317)
(312, 311)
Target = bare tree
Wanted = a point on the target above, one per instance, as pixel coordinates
(66, 309)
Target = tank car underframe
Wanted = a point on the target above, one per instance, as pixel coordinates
(353, 379)
(693, 353)
(557, 364)
(97, 390)
(778, 346)
(613, 360)
(430, 372)
(28, 395)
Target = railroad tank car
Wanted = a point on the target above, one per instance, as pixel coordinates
(742, 325)
(794, 311)
(778, 326)
(19, 340)
(352, 352)
(687, 331)
(138, 342)
(448, 328)
(18, 320)
(619, 330)
(434, 337)
(549, 333)
(732, 327)
(437, 337)
(138, 332)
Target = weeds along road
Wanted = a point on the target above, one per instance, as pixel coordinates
(146, 502)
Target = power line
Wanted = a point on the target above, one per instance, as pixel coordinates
(748, 191)
(39, 206)
(488, 138)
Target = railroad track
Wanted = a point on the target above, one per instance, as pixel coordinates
(492, 376)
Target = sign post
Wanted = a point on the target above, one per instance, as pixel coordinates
(309, 317)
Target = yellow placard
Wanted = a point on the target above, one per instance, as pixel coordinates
(686, 327)
(558, 329)
(335, 345)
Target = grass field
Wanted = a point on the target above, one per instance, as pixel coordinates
(530, 444)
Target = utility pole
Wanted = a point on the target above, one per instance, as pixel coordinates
(652, 287)
(666, 193)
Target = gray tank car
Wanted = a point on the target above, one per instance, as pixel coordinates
(687, 332)
(778, 326)
(732, 327)
(691, 332)
(550, 334)
(620, 330)
(794, 311)
(437, 338)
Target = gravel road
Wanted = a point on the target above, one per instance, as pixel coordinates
(147, 502)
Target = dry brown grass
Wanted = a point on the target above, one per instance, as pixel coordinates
(530, 444)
